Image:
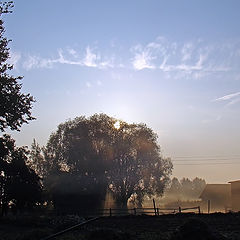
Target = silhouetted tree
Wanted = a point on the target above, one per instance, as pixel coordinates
(77, 154)
(187, 187)
(20, 185)
(138, 169)
(92, 155)
(175, 189)
(198, 184)
(14, 105)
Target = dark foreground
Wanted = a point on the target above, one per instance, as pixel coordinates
(173, 227)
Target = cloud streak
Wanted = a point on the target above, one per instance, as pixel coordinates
(191, 59)
(228, 97)
(90, 59)
(232, 98)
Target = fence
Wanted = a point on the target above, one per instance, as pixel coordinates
(142, 211)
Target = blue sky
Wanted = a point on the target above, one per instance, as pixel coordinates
(174, 65)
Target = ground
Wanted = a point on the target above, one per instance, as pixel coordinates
(179, 226)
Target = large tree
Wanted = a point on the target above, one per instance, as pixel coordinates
(78, 157)
(101, 152)
(138, 168)
(19, 184)
(15, 106)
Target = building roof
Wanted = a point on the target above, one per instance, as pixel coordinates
(234, 181)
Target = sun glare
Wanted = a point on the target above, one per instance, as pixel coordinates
(117, 125)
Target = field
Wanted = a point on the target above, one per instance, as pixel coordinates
(178, 226)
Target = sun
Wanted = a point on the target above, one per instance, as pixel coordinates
(117, 124)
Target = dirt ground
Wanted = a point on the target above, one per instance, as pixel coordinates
(178, 226)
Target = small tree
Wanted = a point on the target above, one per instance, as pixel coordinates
(15, 107)
(20, 185)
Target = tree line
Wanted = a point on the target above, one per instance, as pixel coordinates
(185, 189)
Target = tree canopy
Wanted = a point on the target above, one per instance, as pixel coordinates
(15, 106)
(19, 185)
(102, 153)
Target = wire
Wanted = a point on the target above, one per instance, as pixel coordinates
(206, 159)
(177, 164)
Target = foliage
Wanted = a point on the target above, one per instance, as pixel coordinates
(185, 189)
(91, 155)
(19, 184)
(137, 166)
(77, 161)
(36, 160)
(14, 106)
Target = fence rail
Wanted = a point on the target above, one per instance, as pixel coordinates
(141, 211)
(120, 211)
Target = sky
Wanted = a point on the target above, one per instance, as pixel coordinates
(174, 65)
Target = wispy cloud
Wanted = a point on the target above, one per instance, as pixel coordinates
(144, 56)
(72, 52)
(191, 59)
(143, 60)
(230, 98)
(187, 51)
(182, 66)
(14, 58)
(90, 59)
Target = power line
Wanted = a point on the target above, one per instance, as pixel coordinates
(231, 163)
(206, 159)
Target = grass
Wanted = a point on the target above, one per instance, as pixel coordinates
(165, 227)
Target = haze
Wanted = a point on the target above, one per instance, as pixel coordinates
(174, 65)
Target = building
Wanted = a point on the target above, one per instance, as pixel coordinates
(218, 195)
(235, 195)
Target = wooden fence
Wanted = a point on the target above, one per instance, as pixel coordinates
(142, 211)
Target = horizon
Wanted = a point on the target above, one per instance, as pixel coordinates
(171, 65)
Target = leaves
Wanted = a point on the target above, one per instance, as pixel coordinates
(19, 184)
(126, 159)
(15, 106)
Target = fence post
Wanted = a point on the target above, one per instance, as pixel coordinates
(135, 211)
(154, 206)
(180, 210)
(199, 210)
(208, 206)
(110, 212)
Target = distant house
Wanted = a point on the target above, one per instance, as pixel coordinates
(235, 195)
(219, 196)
